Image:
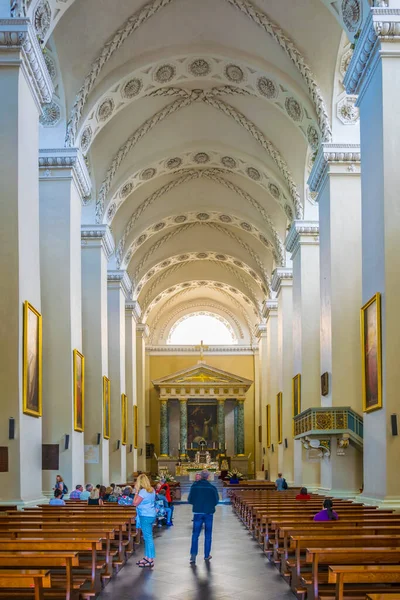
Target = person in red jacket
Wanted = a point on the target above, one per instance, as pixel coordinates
(165, 486)
(304, 495)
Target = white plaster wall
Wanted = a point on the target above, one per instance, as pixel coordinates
(20, 276)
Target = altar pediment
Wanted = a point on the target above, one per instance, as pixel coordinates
(202, 375)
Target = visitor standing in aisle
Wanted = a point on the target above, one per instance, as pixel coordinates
(145, 502)
(203, 497)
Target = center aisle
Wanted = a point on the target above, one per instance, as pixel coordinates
(238, 568)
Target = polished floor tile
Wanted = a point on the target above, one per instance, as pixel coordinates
(237, 567)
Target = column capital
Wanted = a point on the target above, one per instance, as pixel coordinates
(183, 400)
(260, 330)
(281, 277)
(132, 309)
(120, 280)
(379, 37)
(143, 330)
(221, 400)
(334, 158)
(62, 163)
(19, 47)
(240, 400)
(98, 236)
(270, 309)
(302, 233)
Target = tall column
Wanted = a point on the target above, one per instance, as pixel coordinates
(64, 183)
(261, 446)
(183, 426)
(142, 331)
(303, 243)
(164, 449)
(240, 427)
(336, 177)
(132, 316)
(25, 85)
(282, 284)
(221, 423)
(270, 313)
(97, 247)
(119, 287)
(373, 74)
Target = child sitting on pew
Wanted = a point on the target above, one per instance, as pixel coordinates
(327, 514)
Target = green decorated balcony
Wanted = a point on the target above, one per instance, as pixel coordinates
(327, 421)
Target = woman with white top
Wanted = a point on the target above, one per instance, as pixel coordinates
(144, 501)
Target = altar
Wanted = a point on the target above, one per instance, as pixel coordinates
(201, 408)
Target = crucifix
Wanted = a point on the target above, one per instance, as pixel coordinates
(202, 347)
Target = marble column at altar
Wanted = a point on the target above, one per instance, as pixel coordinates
(373, 74)
(132, 316)
(282, 285)
(183, 426)
(25, 85)
(270, 314)
(240, 427)
(337, 180)
(302, 242)
(142, 332)
(97, 247)
(118, 291)
(164, 449)
(221, 423)
(64, 184)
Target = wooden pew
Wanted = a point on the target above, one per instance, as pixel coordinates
(356, 574)
(24, 579)
(383, 596)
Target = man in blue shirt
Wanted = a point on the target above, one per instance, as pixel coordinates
(86, 494)
(280, 486)
(204, 498)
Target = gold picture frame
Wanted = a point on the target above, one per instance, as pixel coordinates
(371, 352)
(79, 391)
(106, 408)
(268, 426)
(135, 426)
(32, 368)
(296, 396)
(279, 416)
(124, 419)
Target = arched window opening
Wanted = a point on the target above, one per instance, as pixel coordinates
(209, 327)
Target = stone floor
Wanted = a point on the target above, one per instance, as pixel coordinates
(237, 570)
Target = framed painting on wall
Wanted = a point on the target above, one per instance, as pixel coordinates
(135, 426)
(79, 391)
(296, 394)
(32, 361)
(106, 408)
(371, 349)
(279, 416)
(124, 419)
(268, 426)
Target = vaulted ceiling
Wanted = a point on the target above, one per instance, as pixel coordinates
(198, 120)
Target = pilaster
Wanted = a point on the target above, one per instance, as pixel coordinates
(142, 332)
(183, 427)
(25, 85)
(262, 396)
(97, 245)
(240, 427)
(270, 313)
(221, 423)
(132, 317)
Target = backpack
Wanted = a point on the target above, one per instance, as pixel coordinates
(284, 484)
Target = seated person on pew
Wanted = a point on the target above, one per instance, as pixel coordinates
(76, 493)
(86, 494)
(304, 495)
(127, 497)
(327, 514)
(165, 511)
(94, 498)
(57, 500)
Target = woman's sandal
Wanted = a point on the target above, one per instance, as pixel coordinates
(146, 564)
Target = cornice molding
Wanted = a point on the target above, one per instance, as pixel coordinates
(100, 236)
(143, 330)
(283, 276)
(260, 330)
(19, 47)
(132, 309)
(346, 156)
(59, 159)
(270, 309)
(120, 280)
(234, 349)
(382, 25)
(302, 232)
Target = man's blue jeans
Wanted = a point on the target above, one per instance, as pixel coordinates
(198, 520)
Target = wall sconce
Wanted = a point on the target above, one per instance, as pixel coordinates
(98, 439)
(286, 443)
(272, 448)
(130, 448)
(11, 428)
(66, 444)
(118, 444)
(263, 451)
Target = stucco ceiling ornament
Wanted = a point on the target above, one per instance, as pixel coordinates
(200, 67)
(165, 73)
(347, 111)
(105, 109)
(131, 25)
(42, 18)
(267, 87)
(148, 174)
(225, 219)
(18, 9)
(313, 137)
(345, 61)
(132, 88)
(126, 190)
(294, 109)
(228, 162)
(174, 163)
(86, 138)
(274, 190)
(234, 73)
(289, 212)
(253, 173)
(351, 14)
(51, 114)
(201, 158)
(246, 285)
(51, 66)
